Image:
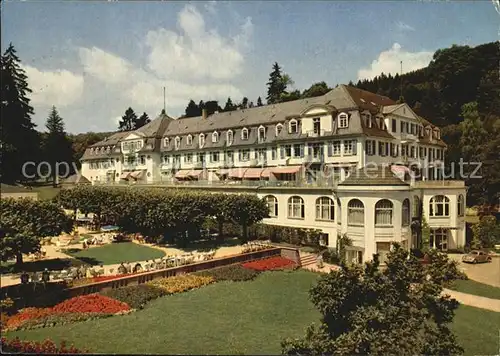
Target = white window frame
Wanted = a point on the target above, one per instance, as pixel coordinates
(295, 125)
(261, 134)
(214, 156)
(355, 213)
(435, 203)
(442, 235)
(296, 209)
(215, 137)
(244, 134)
(166, 141)
(279, 128)
(201, 140)
(325, 209)
(405, 213)
(336, 148)
(188, 158)
(229, 137)
(349, 143)
(189, 140)
(384, 213)
(177, 142)
(272, 204)
(460, 205)
(343, 120)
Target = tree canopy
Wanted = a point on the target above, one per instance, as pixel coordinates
(127, 123)
(398, 310)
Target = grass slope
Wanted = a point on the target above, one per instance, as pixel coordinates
(234, 318)
(116, 253)
(477, 288)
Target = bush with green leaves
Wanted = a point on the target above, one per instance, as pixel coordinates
(231, 273)
(136, 296)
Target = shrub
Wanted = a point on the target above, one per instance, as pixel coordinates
(135, 296)
(179, 284)
(30, 347)
(272, 263)
(231, 273)
(331, 256)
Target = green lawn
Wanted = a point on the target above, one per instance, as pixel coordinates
(234, 318)
(477, 288)
(116, 253)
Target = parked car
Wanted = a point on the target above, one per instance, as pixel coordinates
(476, 256)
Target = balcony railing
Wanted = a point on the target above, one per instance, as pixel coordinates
(315, 133)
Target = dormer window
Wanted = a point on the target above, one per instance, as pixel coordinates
(244, 134)
(262, 134)
(279, 127)
(166, 141)
(108, 149)
(189, 140)
(436, 134)
(91, 151)
(177, 142)
(343, 120)
(293, 126)
(215, 137)
(201, 140)
(229, 137)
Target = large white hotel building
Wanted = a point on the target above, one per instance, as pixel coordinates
(338, 162)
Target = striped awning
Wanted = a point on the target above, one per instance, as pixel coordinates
(124, 175)
(253, 173)
(285, 170)
(184, 173)
(137, 174)
(266, 173)
(237, 172)
(195, 173)
(222, 172)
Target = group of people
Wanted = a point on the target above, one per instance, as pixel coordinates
(33, 277)
(126, 267)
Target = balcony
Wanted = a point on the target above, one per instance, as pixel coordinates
(315, 133)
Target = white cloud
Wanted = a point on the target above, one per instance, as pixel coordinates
(103, 65)
(401, 26)
(390, 62)
(210, 7)
(60, 87)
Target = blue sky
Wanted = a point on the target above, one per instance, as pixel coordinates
(94, 59)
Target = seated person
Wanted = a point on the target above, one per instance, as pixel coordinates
(122, 269)
(128, 267)
(137, 268)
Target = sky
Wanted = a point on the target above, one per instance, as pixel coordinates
(93, 59)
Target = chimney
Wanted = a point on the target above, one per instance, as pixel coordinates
(204, 114)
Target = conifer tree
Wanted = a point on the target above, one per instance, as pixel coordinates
(128, 120)
(141, 121)
(276, 86)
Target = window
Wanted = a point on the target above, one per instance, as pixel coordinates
(298, 150)
(405, 217)
(188, 158)
(325, 209)
(244, 155)
(439, 205)
(229, 137)
(189, 140)
(91, 151)
(355, 212)
(279, 127)
(272, 204)
(412, 152)
(403, 127)
(142, 160)
(214, 156)
(343, 120)
(244, 134)
(394, 150)
(274, 153)
(286, 151)
(262, 134)
(394, 125)
(296, 208)
(293, 127)
(460, 205)
(439, 239)
(404, 150)
(383, 213)
(201, 140)
(261, 154)
(201, 157)
(215, 137)
(334, 148)
(416, 206)
(421, 152)
(177, 143)
(166, 159)
(381, 149)
(316, 125)
(369, 147)
(349, 147)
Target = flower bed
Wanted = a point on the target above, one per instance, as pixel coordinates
(90, 280)
(135, 296)
(231, 273)
(30, 347)
(91, 303)
(179, 284)
(272, 263)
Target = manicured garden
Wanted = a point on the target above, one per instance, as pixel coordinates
(470, 286)
(116, 253)
(227, 317)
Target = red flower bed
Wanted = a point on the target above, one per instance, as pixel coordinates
(270, 264)
(27, 314)
(30, 347)
(91, 303)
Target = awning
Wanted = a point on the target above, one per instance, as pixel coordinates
(222, 172)
(266, 173)
(136, 174)
(285, 170)
(184, 173)
(400, 169)
(253, 173)
(124, 175)
(237, 172)
(195, 173)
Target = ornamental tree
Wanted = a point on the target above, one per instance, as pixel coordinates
(24, 222)
(369, 311)
(247, 210)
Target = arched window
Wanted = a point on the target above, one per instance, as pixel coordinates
(244, 134)
(293, 126)
(279, 127)
(383, 213)
(262, 134)
(355, 212)
(229, 137)
(325, 209)
(189, 140)
(91, 151)
(296, 208)
(201, 140)
(343, 120)
(166, 141)
(215, 137)
(405, 217)
(177, 142)
(460, 205)
(416, 206)
(439, 205)
(272, 204)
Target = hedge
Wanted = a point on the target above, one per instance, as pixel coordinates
(135, 296)
(231, 273)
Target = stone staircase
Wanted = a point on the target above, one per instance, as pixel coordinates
(307, 259)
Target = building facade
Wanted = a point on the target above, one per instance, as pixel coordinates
(309, 159)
